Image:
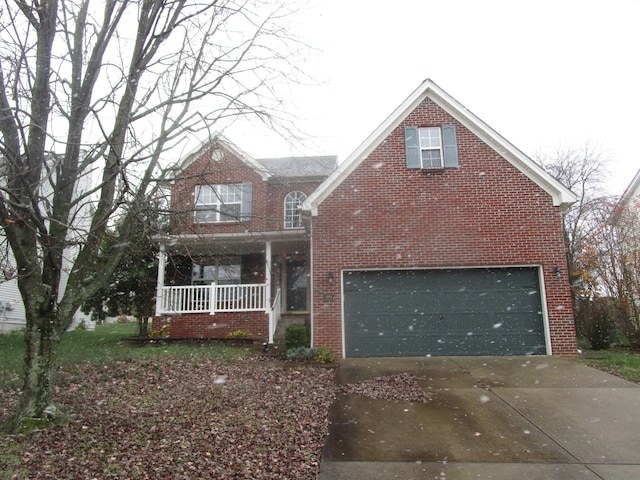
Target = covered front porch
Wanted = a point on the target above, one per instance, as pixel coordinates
(212, 285)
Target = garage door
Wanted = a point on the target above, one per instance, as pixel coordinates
(488, 311)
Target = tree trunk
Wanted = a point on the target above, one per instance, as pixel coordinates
(41, 360)
(143, 326)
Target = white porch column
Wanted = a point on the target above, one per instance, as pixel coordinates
(267, 293)
(267, 274)
(162, 262)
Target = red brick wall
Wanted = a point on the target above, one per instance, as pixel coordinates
(267, 215)
(193, 325)
(205, 171)
(277, 193)
(267, 201)
(484, 213)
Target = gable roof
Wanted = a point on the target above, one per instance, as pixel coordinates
(631, 191)
(561, 195)
(314, 167)
(216, 141)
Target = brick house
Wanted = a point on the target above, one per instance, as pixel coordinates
(436, 236)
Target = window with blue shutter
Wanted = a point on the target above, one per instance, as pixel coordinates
(431, 147)
(412, 146)
(450, 146)
(247, 201)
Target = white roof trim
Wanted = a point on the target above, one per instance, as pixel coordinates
(561, 195)
(631, 191)
(223, 142)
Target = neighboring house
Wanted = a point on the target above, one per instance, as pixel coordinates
(12, 312)
(12, 315)
(630, 198)
(436, 236)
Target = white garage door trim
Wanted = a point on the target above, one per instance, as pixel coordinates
(538, 267)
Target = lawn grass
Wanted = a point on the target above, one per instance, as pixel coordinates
(105, 345)
(618, 361)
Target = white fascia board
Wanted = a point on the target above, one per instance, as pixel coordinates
(245, 157)
(561, 196)
(206, 238)
(632, 191)
(223, 142)
(364, 150)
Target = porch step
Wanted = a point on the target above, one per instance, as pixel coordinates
(278, 348)
(285, 321)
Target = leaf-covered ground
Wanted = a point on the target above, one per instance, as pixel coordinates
(401, 387)
(178, 419)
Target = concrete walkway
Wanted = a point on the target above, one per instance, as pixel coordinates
(488, 418)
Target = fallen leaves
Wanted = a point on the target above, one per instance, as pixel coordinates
(241, 419)
(401, 387)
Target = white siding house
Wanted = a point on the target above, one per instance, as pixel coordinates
(632, 193)
(12, 316)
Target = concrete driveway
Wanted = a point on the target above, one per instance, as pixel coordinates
(487, 418)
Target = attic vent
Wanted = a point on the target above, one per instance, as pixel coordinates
(217, 154)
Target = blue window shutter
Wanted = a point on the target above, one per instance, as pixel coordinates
(450, 146)
(412, 147)
(247, 199)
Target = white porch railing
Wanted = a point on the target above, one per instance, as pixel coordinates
(228, 298)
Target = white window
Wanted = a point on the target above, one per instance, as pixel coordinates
(224, 271)
(430, 147)
(222, 203)
(292, 215)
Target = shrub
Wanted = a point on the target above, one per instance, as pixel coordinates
(595, 321)
(302, 354)
(296, 336)
(325, 355)
(160, 333)
(238, 334)
(306, 354)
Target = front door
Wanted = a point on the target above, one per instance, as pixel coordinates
(296, 286)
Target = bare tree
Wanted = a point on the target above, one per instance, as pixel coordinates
(584, 171)
(612, 254)
(91, 97)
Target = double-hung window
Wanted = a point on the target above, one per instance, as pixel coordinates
(431, 147)
(222, 203)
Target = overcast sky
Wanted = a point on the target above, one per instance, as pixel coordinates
(541, 73)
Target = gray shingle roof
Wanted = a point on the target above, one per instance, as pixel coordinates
(300, 167)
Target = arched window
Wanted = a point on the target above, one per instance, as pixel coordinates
(292, 203)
